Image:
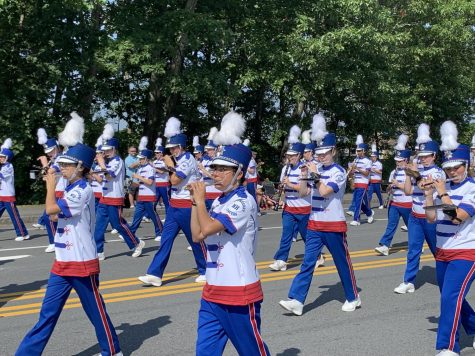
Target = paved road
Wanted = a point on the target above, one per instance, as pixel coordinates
(162, 321)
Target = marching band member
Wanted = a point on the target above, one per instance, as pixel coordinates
(455, 254)
(251, 174)
(232, 297)
(76, 265)
(400, 204)
(146, 196)
(7, 191)
(205, 167)
(418, 227)
(309, 147)
(360, 171)
(162, 178)
(326, 226)
(472, 158)
(375, 177)
(48, 162)
(198, 149)
(109, 208)
(97, 176)
(179, 212)
(296, 209)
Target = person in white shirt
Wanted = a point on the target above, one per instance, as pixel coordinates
(455, 229)
(205, 168)
(375, 177)
(179, 213)
(76, 265)
(162, 177)
(7, 191)
(232, 297)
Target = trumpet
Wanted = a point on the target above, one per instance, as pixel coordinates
(413, 174)
(38, 172)
(207, 184)
(313, 177)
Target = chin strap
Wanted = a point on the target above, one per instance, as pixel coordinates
(73, 176)
(233, 181)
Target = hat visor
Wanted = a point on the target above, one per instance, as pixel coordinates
(139, 156)
(64, 159)
(106, 148)
(323, 150)
(49, 149)
(158, 151)
(454, 163)
(291, 152)
(425, 153)
(210, 147)
(222, 162)
(399, 159)
(170, 145)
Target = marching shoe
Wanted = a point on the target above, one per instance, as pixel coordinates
(320, 261)
(351, 306)
(101, 256)
(383, 250)
(350, 213)
(473, 343)
(447, 353)
(292, 305)
(158, 238)
(138, 249)
(146, 220)
(21, 238)
(294, 239)
(201, 278)
(114, 231)
(381, 207)
(151, 280)
(355, 223)
(404, 228)
(37, 226)
(371, 218)
(50, 248)
(278, 265)
(404, 288)
(117, 354)
(189, 248)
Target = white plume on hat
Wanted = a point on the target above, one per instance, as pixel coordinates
(143, 143)
(373, 147)
(401, 142)
(232, 128)
(73, 131)
(449, 135)
(246, 142)
(8, 143)
(108, 132)
(212, 132)
(158, 141)
(196, 141)
(294, 134)
(172, 128)
(306, 137)
(42, 136)
(359, 140)
(99, 141)
(423, 134)
(319, 127)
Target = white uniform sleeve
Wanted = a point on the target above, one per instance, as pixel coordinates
(6, 171)
(72, 203)
(468, 204)
(234, 216)
(114, 166)
(337, 181)
(184, 168)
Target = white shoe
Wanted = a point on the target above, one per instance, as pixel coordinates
(138, 249)
(201, 279)
(121, 237)
(278, 265)
(320, 261)
(21, 238)
(114, 231)
(404, 288)
(447, 353)
(259, 214)
(189, 248)
(404, 228)
(117, 354)
(50, 248)
(37, 226)
(371, 218)
(292, 305)
(383, 250)
(146, 220)
(294, 239)
(101, 256)
(350, 213)
(132, 207)
(422, 251)
(151, 280)
(355, 223)
(351, 306)
(158, 238)
(381, 207)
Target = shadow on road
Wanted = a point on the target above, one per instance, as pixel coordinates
(289, 352)
(465, 341)
(133, 335)
(129, 253)
(426, 275)
(334, 292)
(14, 291)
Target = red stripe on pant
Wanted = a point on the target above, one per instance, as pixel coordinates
(126, 228)
(252, 317)
(350, 267)
(17, 219)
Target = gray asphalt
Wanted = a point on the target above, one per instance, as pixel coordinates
(387, 324)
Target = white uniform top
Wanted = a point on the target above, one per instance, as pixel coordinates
(376, 177)
(74, 242)
(231, 273)
(7, 183)
(399, 198)
(161, 179)
(211, 191)
(418, 198)
(187, 170)
(457, 241)
(295, 204)
(113, 187)
(61, 182)
(327, 213)
(360, 180)
(252, 178)
(146, 191)
(95, 185)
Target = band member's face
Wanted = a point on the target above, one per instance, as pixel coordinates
(143, 161)
(325, 158)
(360, 153)
(374, 158)
(401, 164)
(98, 154)
(158, 155)
(211, 152)
(109, 153)
(175, 151)
(427, 160)
(198, 155)
(222, 176)
(68, 170)
(3, 159)
(292, 159)
(53, 153)
(457, 173)
(308, 155)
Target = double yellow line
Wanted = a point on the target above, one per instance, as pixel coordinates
(150, 292)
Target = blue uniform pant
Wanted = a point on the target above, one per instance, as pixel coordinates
(162, 192)
(113, 214)
(41, 220)
(50, 227)
(338, 247)
(291, 223)
(361, 203)
(12, 210)
(454, 279)
(143, 208)
(375, 188)
(394, 214)
(418, 230)
(352, 204)
(241, 324)
(57, 293)
(251, 188)
(177, 218)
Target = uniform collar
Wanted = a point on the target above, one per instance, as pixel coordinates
(326, 168)
(240, 191)
(458, 185)
(75, 184)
